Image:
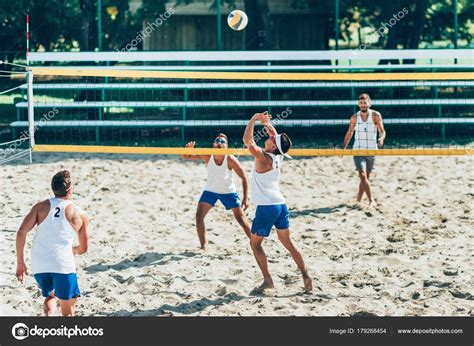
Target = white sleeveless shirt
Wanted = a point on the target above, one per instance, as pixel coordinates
(219, 178)
(53, 241)
(365, 133)
(265, 189)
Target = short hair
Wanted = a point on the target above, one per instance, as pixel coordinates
(365, 97)
(222, 135)
(285, 144)
(61, 183)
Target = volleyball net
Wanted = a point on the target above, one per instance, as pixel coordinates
(157, 112)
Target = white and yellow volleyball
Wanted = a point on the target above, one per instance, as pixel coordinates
(237, 20)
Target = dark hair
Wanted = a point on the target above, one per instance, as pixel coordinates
(364, 97)
(222, 135)
(285, 144)
(60, 183)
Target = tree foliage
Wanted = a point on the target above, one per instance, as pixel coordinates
(68, 25)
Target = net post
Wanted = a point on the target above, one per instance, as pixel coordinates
(336, 25)
(219, 25)
(269, 92)
(31, 114)
(440, 115)
(456, 26)
(183, 134)
(101, 110)
(27, 39)
(185, 110)
(17, 117)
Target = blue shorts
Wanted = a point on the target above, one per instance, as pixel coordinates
(267, 216)
(229, 200)
(65, 286)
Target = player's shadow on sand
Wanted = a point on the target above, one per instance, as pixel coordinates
(326, 210)
(142, 260)
(183, 308)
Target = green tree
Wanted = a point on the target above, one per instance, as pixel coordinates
(119, 24)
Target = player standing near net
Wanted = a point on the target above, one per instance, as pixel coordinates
(365, 124)
(52, 253)
(220, 186)
(271, 207)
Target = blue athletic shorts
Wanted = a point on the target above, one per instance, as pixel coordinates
(267, 216)
(65, 286)
(229, 200)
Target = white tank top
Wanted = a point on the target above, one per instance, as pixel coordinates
(219, 178)
(365, 133)
(265, 189)
(54, 238)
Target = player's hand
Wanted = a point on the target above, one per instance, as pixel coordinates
(380, 142)
(21, 271)
(264, 117)
(340, 156)
(191, 144)
(245, 204)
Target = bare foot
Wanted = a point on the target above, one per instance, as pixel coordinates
(372, 204)
(308, 284)
(266, 285)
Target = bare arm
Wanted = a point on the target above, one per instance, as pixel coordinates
(248, 133)
(239, 170)
(379, 123)
(350, 131)
(83, 236)
(248, 138)
(80, 222)
(270, 129)
(256, 151)
(195, 157)
(29, 222)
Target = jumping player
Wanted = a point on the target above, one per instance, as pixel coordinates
(271, 207)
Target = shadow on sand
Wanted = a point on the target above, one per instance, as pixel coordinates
(142, 260)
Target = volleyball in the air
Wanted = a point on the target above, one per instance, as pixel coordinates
(237, 20)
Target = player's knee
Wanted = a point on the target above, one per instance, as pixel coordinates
(199, 216)
(284, 237)
(239, 217)
(255, 244)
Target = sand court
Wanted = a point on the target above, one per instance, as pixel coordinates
(410, 256)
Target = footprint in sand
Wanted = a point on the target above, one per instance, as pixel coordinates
(460, 295)
(229, 281)
(221, 291)
(439, 284)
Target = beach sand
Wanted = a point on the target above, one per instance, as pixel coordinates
(411, 256)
